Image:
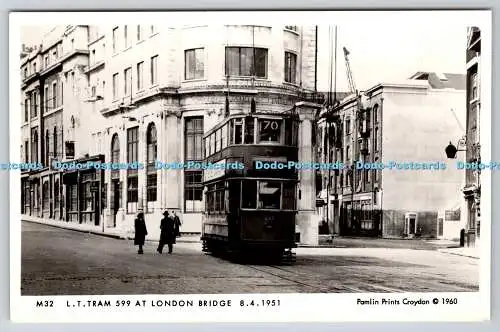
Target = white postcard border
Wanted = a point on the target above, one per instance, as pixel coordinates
(294, 307)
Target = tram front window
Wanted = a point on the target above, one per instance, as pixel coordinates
(249, 194)
(269, 130)
(269, 195)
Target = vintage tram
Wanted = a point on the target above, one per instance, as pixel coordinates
(250, 200)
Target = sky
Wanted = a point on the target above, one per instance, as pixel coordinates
(385, 52)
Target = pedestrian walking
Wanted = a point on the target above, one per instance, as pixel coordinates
(177, 225)
(140, 232)
(167, 234)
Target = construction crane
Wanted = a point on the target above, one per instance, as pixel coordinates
(358, 112)
(350, 79)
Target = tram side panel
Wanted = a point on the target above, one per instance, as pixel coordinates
(270, 229)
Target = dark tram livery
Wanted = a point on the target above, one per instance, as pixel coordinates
(250, 210)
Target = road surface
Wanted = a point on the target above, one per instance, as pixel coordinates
(63, 262)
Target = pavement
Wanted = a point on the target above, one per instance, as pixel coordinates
(98, 230)
(57, 261)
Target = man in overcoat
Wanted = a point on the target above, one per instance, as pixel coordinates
(140, 232)
(167, 235)
(177, 225)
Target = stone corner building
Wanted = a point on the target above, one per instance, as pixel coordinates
(472, 188)
(142, 93)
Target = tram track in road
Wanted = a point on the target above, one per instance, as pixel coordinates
(343, 288)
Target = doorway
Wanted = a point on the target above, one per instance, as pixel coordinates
(116, 199)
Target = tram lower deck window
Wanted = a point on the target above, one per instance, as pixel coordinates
(249, 194)
(269, 195)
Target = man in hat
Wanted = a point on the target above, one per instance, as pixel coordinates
(167, 235)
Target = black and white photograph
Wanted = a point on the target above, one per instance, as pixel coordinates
(215, 162)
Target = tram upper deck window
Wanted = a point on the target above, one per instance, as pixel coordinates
(269, 131)
(269, 195)
(224, 136)
(217, 140)
(207, 146)
(249, 130)
(238, 131)
(212, 144)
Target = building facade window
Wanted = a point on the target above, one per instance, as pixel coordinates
(139, 33)
(152, 151)
(375, 113)
(26, 152)
(34, 104)
(154, 70)
(34, 145)
(46, 100)
(290, 67)
(61, 95)
(140, 76)
(115, 86)
(194, 64)
(474, 86)
(375, 140)
(54, 143)
(115, 39)
(54, 95)
(26, 108)
(125, 36)
(132, 175)
(193, 188)
(47, 148)
(246, 61)
(127, 81)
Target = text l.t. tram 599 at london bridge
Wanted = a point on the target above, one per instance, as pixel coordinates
(251, 211)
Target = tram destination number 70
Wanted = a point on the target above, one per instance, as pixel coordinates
(273, 125)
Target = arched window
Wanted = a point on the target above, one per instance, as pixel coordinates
(115, 155)
(152, 153)
(47, 148)
(54, 150)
